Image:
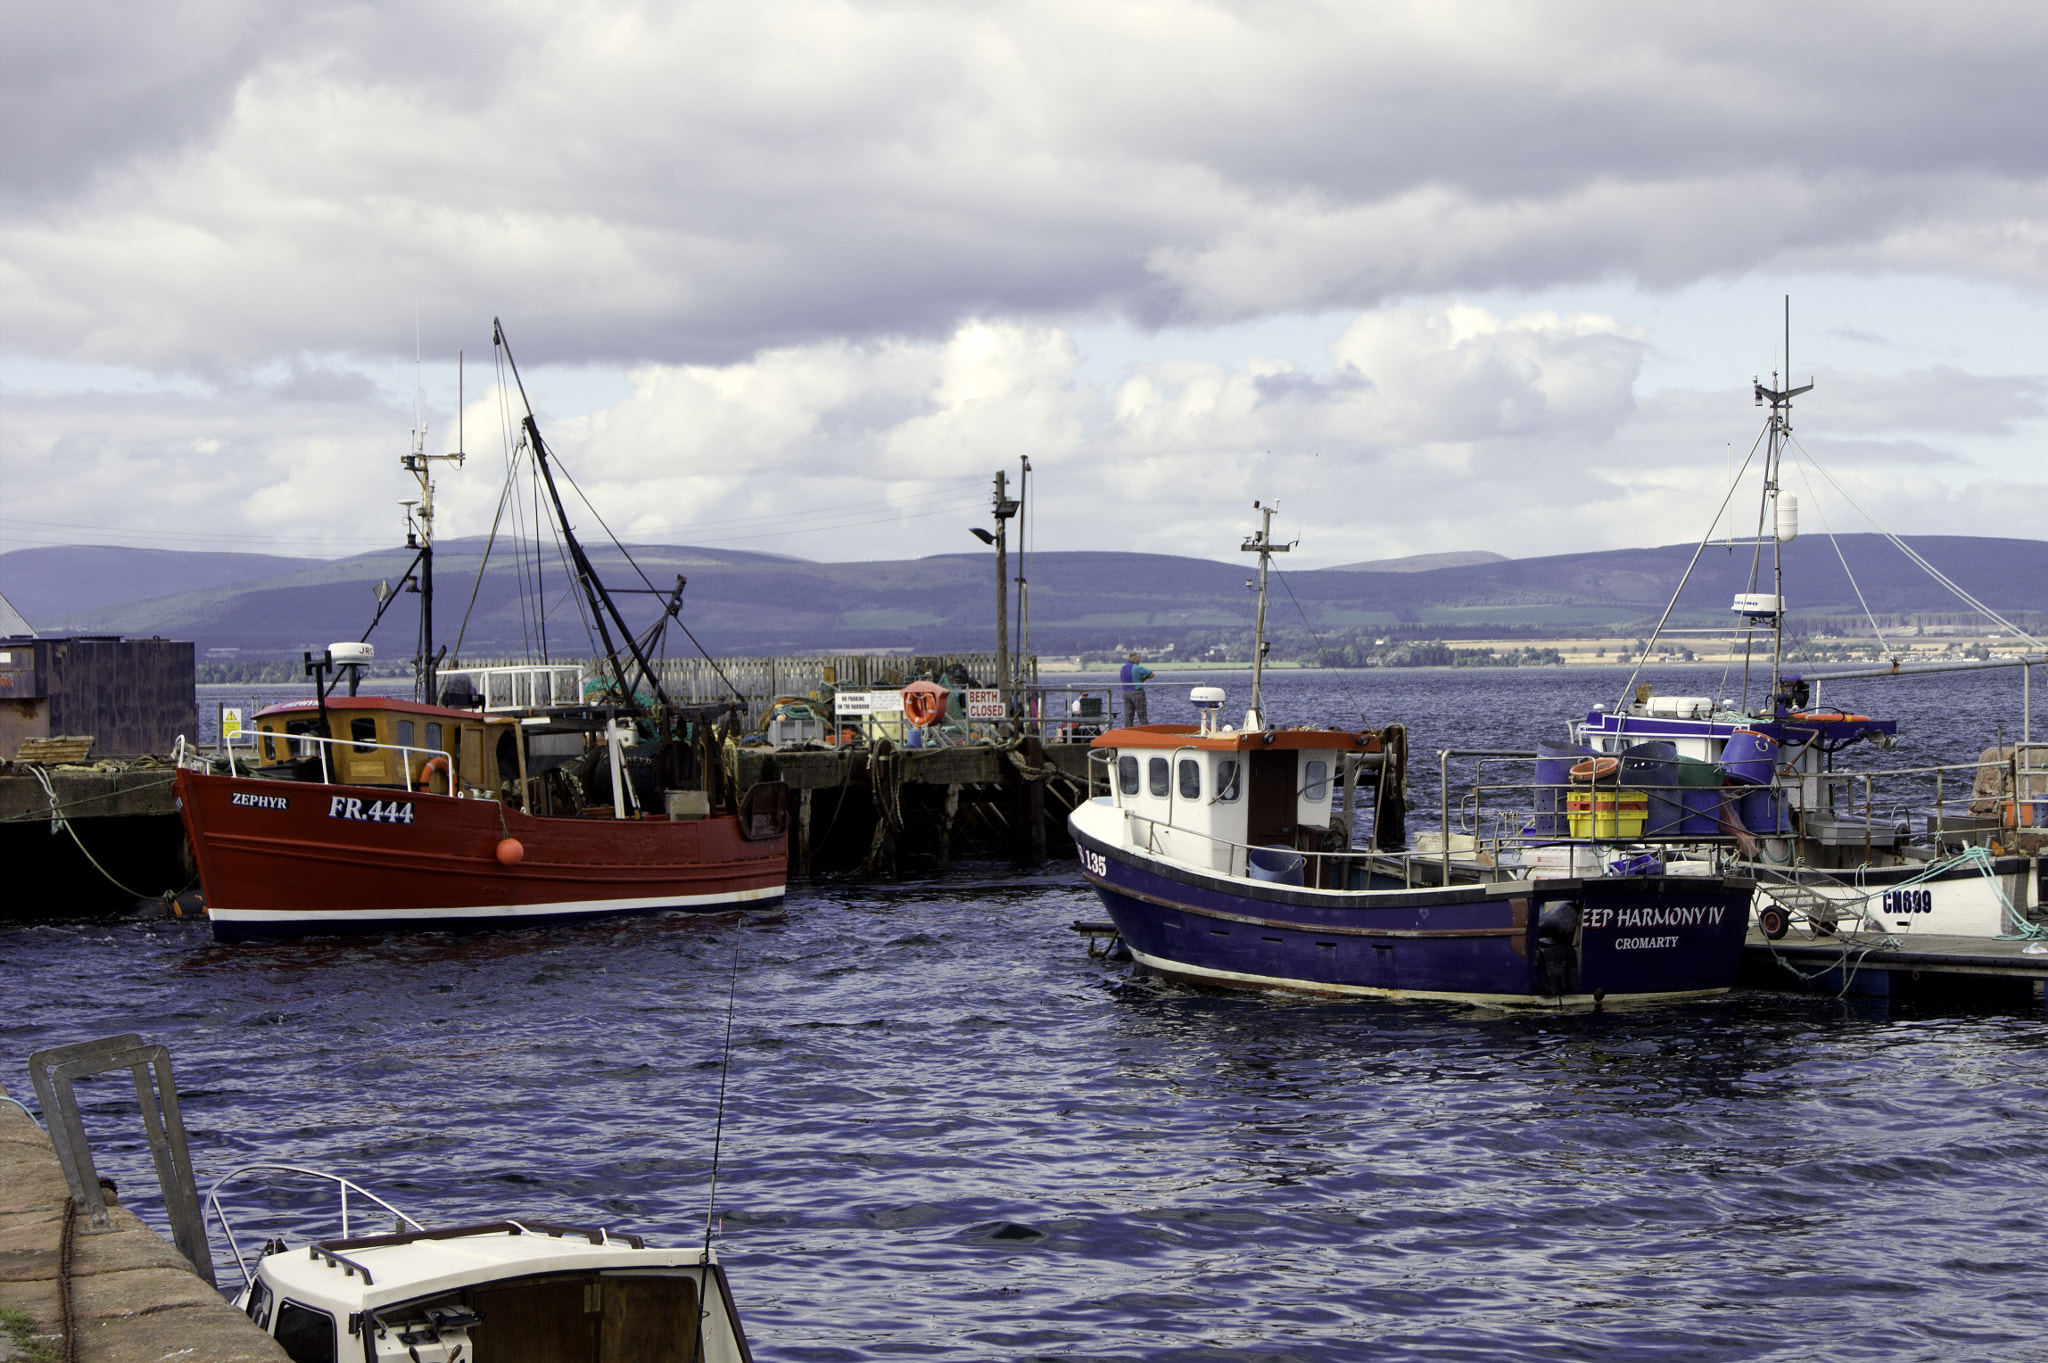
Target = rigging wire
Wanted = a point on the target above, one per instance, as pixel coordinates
(1683, 579)
(718, 1130)
(497, 518)
(1297, 606)
(1908, 551)
(1854, 586)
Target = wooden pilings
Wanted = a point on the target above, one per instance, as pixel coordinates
(908, 810)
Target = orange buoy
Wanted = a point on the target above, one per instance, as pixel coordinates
(924, 703)
(1830, 717)
(433, 764)
(510, 853)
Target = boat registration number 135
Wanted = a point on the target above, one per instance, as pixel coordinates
(1094, 863)
(373, 811)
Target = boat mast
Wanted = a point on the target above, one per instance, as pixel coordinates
(1774, 454)
(602, 607)
(419, 534)
(1261, 543)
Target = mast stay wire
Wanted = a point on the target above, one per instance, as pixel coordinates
(638, 571)
(1297, 606)
(497, 519)
(1829, 531)
(1908, 551)
(1687, 575)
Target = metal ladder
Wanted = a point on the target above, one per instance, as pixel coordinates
(53, 1072)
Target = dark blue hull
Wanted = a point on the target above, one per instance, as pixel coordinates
(1517, 943)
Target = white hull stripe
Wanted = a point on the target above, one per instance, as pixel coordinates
(562, 908)
(1367, 991)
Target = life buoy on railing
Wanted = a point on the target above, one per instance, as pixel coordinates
(1596, 769)
(433, 764)
(924, 703)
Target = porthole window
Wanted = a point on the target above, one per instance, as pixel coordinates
(1127, 775)
(1315, 786)
(1190, 779)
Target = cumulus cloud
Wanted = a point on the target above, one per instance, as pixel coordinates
(208, 186)
(1426, 429)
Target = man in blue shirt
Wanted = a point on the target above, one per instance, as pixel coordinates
(1134, 675)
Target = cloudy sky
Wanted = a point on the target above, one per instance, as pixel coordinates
(799, 277)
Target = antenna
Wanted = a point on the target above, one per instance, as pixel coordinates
(1260, 542)
(718, 1130)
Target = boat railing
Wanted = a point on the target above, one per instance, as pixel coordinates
(342, 1186)
(1877, 807)
(322, 743)
(1416, 867)
(1060, 714)
(531, 686)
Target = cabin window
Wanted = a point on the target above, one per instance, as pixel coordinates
(260, 1302)
(1315, 785)
(1226, 780)
(364, 732)
(1190, 779)
(405, 733)
(434, 736)
(1155, 776)
(1127, 775)
(309, 727)
(270, 754)
(306, 1335)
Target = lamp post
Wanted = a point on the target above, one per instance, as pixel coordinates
(1005, 508)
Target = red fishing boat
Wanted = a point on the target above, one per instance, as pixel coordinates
(527, 795)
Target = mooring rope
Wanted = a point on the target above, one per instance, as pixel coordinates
(57, 821)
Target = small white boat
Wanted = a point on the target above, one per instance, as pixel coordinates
(513, 1291)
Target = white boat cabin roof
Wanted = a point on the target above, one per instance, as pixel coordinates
(375, 1271)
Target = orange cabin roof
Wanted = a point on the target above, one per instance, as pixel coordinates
(393, 703)
(1166, 736)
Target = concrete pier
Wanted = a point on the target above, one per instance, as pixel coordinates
(128, 1295)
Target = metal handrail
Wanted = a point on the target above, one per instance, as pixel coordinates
(344, 1186)
(408, 751)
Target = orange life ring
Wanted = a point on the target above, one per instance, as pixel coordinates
(436, 763)
(924, 703)
(1595, 768)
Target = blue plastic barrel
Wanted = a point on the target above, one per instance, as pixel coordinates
(1277, 865)
(1750, 757)
(1763, 811)
(1699, 794)
(1553, 779)
(1653, 767)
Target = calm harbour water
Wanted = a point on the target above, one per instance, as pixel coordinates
(950, 1133)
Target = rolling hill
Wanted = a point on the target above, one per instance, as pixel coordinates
(739, 602)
